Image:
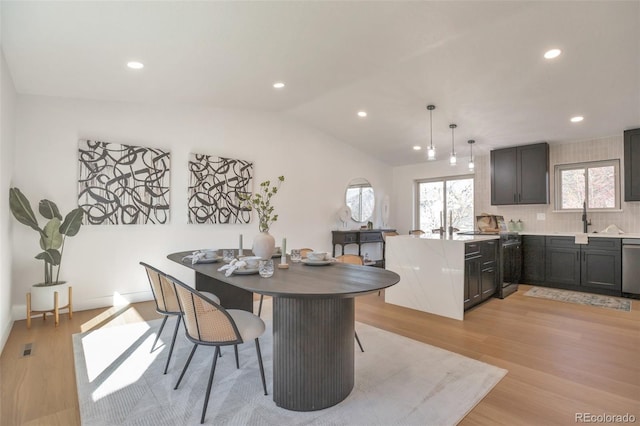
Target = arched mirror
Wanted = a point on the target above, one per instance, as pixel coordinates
(360, 199)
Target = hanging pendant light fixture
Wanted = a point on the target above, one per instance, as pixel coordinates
(472, 164)
(431, 151)
(452, 158)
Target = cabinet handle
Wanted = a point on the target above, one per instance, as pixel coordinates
(577, 256)
(515, 198)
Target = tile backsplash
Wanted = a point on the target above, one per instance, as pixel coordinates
(581, 151)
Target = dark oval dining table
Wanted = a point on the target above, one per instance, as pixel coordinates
(313, 323)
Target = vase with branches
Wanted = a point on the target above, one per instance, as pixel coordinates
(260, 202)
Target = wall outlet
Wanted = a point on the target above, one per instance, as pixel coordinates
(541, 216)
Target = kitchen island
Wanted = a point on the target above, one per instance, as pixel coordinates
(432, 272)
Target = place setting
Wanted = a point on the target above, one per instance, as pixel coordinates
(203, 256)
(318, 258)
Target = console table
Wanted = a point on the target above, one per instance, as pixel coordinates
(360, 237)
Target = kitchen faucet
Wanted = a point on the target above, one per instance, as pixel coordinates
(585, 223)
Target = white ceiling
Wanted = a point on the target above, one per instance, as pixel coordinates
(479, 62)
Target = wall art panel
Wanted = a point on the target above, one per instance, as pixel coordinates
(123, 184)
(215, 187)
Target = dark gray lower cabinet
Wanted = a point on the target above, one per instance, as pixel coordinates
(472, 260)
(595, 267)
(562, 261)
(533, 253)
(480, 275)
(601, 266)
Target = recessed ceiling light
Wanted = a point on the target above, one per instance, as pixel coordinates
(577, 119)
(278, 85)
(362, 114)
(417, 148)
(135, 65)
(553, 53)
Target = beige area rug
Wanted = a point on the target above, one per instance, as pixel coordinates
(399, 381)
(581, 298)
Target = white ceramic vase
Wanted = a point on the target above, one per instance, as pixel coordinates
(42, 296)
(264, 245)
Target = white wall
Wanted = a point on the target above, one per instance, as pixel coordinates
(7, 138)
(579, 151)
(103, 260)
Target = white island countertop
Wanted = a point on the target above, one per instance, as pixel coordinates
(431, 269)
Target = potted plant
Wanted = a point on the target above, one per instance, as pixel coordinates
(52, 238)
(264, 244)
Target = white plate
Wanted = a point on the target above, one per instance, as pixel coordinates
(245, 271)
(318, 262)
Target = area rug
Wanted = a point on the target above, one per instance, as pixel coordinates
(398, 381)
(581, 298)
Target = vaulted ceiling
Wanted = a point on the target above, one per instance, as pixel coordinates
(480, 62)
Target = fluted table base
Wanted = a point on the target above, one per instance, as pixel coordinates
(313, 352)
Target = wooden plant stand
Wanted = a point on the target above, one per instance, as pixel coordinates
(55, 311)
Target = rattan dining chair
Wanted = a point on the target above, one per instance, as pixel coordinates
(164, 294)
(353, 259)
(207, 323)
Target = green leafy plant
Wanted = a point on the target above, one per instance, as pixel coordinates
(260, 202)
(54, 233)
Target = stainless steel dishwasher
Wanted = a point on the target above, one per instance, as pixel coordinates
(631, 265)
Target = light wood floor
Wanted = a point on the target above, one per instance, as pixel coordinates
(562, 359)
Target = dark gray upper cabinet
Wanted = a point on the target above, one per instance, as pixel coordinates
(520, 175)
(632, 165)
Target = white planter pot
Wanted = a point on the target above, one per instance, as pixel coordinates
(42, 296)
(264, 245)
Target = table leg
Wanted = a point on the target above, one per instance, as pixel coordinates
(313, 352)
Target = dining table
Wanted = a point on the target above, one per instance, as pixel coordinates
(313, 322)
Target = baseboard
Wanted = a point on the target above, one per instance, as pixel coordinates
(6, 330)
(19, 312)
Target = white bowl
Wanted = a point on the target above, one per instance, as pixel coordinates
(252, 261)
(317, 255)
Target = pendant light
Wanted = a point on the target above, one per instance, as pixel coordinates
(452, 158)
(472, 165)
(431, 151)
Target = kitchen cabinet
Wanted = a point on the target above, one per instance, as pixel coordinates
(520, 175)
(533, 251)
(489, 268)
(481, 271)
(632, 165)
(601, 265)
(562, 265)
(472, 292)
(587, 267)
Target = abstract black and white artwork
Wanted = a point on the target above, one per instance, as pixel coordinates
(123, 184)
(216, 185)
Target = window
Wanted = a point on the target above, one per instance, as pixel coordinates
(596, 183)
(439, 199)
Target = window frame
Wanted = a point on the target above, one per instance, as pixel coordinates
(586, 165)
(445, 179)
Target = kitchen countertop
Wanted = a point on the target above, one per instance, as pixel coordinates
(590, 234)
(454, 237)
